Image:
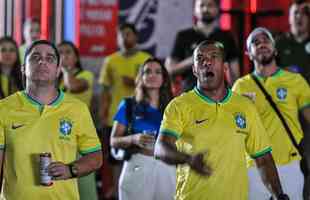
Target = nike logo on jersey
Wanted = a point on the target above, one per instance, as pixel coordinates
(200, 121)
(17, 126)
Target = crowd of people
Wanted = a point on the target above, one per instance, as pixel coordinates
(189, 128)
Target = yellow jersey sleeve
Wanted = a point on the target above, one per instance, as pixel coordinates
(257, 142)
(105, 77)
(303, 100)
(87, 140)
(173, 121)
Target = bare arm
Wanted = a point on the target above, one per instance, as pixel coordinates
(73, 84)
(269, 174)
(119, 140)
(175, 67)
(85, 165)
(306, 148)
(165, 150)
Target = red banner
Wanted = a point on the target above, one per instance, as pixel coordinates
(98, 27)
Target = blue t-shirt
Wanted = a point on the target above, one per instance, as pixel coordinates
(145, 118)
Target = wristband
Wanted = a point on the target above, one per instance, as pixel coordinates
(73, 170)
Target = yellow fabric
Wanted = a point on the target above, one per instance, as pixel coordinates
(297, 97)
(28, 128)
(226, 130)
(5, 86)
(115, 67)
(85, 96)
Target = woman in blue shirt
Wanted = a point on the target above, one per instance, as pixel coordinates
(142, 176)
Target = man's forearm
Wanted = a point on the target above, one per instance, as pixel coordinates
(269, 174)
(88, 163)
(169, 154)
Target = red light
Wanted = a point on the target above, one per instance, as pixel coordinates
(253, 6)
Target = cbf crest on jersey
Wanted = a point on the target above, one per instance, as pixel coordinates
(65, 127)
(282, 93)
(240, 120)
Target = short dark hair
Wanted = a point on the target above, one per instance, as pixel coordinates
(215, 43)
(130, 26)
(38, 42)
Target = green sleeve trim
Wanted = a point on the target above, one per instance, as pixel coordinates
(91, 150)
(168, 132)
(2, 146)
(261, 153)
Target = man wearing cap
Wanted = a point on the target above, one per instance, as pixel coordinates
(206, 132)
(291, 94)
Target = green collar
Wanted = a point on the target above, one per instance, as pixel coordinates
(34, 102)
(277, 73)
(209, 100)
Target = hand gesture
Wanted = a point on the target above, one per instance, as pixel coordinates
(197, 163)
(143, 140)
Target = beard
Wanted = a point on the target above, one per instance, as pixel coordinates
(266, 59)
(207, 19)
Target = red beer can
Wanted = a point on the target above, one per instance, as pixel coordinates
(45, 161)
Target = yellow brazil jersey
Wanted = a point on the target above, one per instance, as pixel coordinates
(226, 130)
(6, 87)
(291, 93)
(28, 128)
(115, 67)
(85, 96)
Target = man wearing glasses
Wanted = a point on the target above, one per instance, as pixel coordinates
(44, 119)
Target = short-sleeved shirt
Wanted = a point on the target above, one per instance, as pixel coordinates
(187, 40)
(85, 96)
(226, 130)
(28, 128)
(291, 93)
(294, 55)
(115, 67)
(144, 117)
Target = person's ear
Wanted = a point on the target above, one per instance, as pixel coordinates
(194, 69)
(249, 55)
(22, 69)
(58, 70)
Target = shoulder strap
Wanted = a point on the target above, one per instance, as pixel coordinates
(129, 113)
(278, 112)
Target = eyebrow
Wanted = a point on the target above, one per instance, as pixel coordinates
(37, 53)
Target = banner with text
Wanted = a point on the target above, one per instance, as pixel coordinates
(98, 27)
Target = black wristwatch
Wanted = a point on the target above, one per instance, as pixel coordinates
(73, 170)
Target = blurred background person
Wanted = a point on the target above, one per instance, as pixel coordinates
(10, 73)
(117, 80)
(79, 83)
(291, 95)
(31, 33)
(144, 177)
(179, 63)
(294, 47)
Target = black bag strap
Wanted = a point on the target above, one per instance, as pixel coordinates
(129, 114)
(278, 112)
